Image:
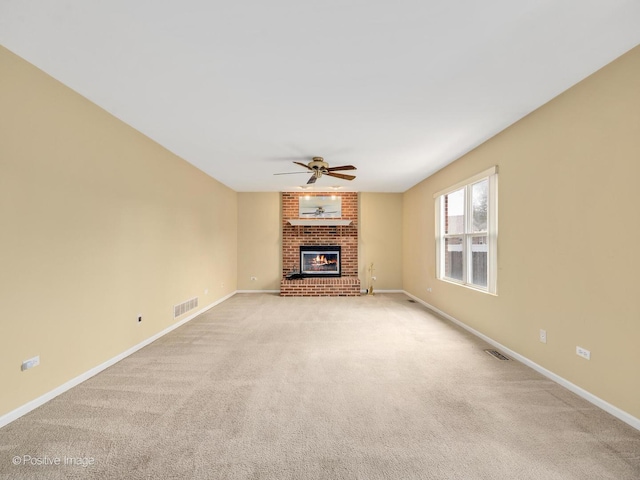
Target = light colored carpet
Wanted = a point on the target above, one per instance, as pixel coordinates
(372, 387)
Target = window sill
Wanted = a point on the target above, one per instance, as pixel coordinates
(470, 287)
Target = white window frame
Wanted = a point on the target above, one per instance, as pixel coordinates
(491, 175)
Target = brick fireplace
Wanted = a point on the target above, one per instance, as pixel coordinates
(324, 233)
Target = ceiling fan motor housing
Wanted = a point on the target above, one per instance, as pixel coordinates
(318, 164)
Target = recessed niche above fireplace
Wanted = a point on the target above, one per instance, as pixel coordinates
(320, 261)
(320, 207)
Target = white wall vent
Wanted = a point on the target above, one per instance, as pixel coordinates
(184, 307)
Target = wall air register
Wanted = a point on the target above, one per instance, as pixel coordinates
(184, 307)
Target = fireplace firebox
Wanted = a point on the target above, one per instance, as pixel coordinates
(320, 261)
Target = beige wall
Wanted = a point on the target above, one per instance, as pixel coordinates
(259, 241)
(99, 224)
(569, 224)
(381, 240)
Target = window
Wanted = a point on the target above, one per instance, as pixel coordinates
(467, 228)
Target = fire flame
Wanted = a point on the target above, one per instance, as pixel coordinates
(320, 260)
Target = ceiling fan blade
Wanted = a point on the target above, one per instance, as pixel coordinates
(312, 179)
(341, 175)
(343, 167)
(289, 173)
(304, 165)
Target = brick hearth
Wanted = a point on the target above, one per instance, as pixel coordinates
(344, 235)
(321, 287)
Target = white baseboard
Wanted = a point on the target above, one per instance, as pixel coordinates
(375, 290)
(35, 403)
(597, 401)
(364, 291)
(257, 291)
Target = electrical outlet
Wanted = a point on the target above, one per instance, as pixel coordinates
(583, 352)
(206, 291)
(543, 336)
(32, 362)
(253, 279)
(429, 289)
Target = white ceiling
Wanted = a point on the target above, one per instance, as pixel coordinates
(398, 88)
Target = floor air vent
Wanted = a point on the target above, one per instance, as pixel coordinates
(184, 307)
(496, 354)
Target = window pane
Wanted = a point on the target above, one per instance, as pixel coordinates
(453, 260)
(479, 249)
(479, 204)
(454, 212)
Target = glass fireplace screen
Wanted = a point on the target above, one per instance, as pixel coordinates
(320, 261)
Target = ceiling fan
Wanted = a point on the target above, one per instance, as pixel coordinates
(319, 167)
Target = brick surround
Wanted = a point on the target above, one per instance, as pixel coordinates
(293, 236)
